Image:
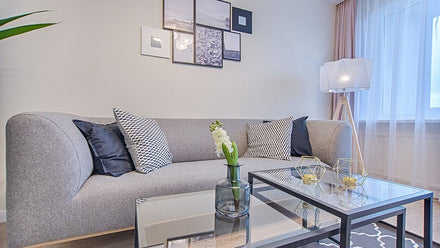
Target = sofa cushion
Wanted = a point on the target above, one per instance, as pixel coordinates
(110, 156)
(300, 145)
(270, 140)
(145, 141)
(300, 138)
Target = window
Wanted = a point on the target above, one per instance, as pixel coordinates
(435, 64)
(405, 49)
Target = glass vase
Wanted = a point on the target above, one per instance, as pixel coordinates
(232, 195)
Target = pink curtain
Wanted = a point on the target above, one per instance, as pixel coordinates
(344, 39)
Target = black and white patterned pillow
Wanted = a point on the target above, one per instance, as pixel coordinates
(145, 141)
(270, 140)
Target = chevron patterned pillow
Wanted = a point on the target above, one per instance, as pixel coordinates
(145, 141)
(270, 140)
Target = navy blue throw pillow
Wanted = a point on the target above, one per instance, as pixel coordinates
(300, 144)
(106, 142)
(300, 138)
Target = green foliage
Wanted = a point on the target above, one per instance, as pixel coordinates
(20, 29)
(235, 153)
(231, 157)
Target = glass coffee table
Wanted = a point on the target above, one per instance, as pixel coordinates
(374, 197)
(275, 219)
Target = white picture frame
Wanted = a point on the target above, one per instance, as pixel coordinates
(155, 42)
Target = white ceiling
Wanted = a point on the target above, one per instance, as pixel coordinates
(333, 1)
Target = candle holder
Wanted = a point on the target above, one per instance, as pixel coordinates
(310, 169)
(350, 173)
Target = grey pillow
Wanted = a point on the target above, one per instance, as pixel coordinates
(145, 141)
(270, 140)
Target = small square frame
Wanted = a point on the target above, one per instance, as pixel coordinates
(241, 20)
(155, 42)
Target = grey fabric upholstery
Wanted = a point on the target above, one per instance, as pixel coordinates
(52, 195)
(330, 140)
(190, 139)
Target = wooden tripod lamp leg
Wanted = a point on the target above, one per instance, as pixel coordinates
(343, 102)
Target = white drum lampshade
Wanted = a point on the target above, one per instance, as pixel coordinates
(345, 75)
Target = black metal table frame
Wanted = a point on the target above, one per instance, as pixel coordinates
(347, 217)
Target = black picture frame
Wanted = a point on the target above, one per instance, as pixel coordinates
(241, 20)
(208, 46)
(184, 52)
(231, 46)
(213, 13)
(178, 15)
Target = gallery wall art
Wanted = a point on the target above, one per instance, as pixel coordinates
(213, 13)
(201, 32)
(241, 20)
(178, 15)
(155, 42)
(183, 47)
(209, 46)
(232, 46)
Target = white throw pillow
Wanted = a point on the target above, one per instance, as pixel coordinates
(270, 140)
(145, 141)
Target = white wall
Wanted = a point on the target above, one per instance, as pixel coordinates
(91, 62)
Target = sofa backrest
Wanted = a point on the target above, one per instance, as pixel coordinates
(52, 142)
(190, 139)
(40, 142)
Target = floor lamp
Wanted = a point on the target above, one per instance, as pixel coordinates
(342, 76)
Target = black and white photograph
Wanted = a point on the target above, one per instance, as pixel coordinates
(183, 47)
(209, 46)
(155, 42)
(241, 20)
(214, 13)
(231, 46)
(178, 15)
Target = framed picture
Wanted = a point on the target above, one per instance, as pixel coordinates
(178, 15)
(183, 47)
(155, 42)
(213, 13)
(209, 46)
(231, 46)
(241, 20)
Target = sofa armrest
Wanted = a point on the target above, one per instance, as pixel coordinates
(330, 140)
(47, 162)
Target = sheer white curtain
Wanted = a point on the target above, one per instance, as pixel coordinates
(399, 116)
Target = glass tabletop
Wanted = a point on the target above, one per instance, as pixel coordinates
(189, 220)
(332, 193)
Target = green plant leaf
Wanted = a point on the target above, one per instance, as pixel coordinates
(10, 19)
(22, 29)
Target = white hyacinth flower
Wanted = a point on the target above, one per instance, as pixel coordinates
(220, 136)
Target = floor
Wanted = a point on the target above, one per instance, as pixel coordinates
(414, 219)
(414, 224)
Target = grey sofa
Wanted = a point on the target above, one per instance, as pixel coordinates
(52, 194)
